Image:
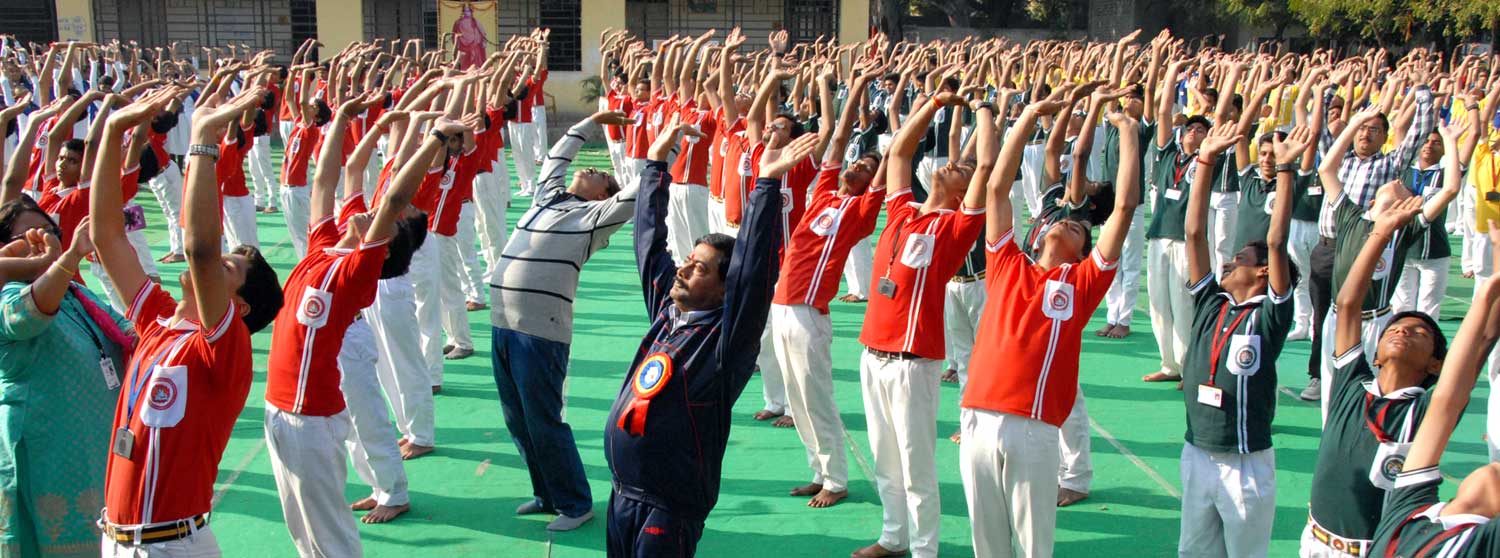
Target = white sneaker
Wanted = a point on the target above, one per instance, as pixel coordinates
(1299, 333)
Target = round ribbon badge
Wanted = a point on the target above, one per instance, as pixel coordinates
(1392, 465)
(313, 307)
(650, 378)
(1059, 301)
(162, 395)
(1246, 357)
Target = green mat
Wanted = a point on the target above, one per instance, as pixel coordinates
(464, 494)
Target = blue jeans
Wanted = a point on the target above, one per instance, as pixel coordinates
(529, 375)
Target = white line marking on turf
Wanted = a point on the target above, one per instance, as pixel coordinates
(1160, 480)
(228, 482)
(859, 458)
(1294, 395)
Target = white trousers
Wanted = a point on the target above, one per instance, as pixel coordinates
(1302, 237)
(285, 127)
(1171, 305)
(539, 132)
(239, 221)
(426, 277)
(901, 402)
(491, 195)
(167, 186)
(1120, 300)
(1422, 286)
(804, 344)
(1370, 330)
(1017, 201)
(617, 159)
(1076, 468)
(1222, 217)
(296, 205)
(521, 138)
(372, 441)
(687, 218)
(963, 304)
(401, 367)
(717, 223)
(308, 460)
(1228, 503)
(263, 177)
(772, 387)
(859, 267)
(455, 317)
(472, 276)
(1009, 468)
(200, 544)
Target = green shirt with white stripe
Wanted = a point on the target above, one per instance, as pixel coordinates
(1344, 500)
(1412, 525)
(1171, 177)
(1353, 227)
(1251, 334)
(1257, 198)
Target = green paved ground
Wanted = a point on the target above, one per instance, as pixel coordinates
(463, 495)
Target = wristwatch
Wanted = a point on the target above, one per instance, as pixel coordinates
(204, 149)
(1286, 167)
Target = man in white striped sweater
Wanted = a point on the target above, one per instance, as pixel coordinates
(532, 314)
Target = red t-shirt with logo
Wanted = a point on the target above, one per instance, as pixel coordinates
(192, 384)
(793, 191)
(323, 295)
(919, 253)
(1031, 332)
(821, 242)
(230, 168)
(723, 133)
(299, 151)
(691, 166)
(454, 186)
(616, 101)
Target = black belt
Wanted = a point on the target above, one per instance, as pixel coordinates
(968, 278)
(892, 356)
(156, 532)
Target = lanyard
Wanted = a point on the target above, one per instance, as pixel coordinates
(901, 233)
(137, 380)
(1179, 168)
(1377, 425)
(1441, 538)
(1418, 184)
(1219, 341)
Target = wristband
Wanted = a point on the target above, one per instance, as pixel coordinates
(985, 105)
(60, 265)
(1202, 161)
(1286, 167)
(204, 149)
(440, 135)
(1471, 107)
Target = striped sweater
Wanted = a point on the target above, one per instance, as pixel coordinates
(537, 275)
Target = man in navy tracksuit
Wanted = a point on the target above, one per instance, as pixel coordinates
(667, 431)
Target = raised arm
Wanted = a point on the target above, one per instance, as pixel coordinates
(15, 173)
(1195, 227)
(107, 228)
(202, 224)
(1356, 284)
(326, 177)
(1127, 192)
(1288, 153)
(1461, 367)
(998, 210)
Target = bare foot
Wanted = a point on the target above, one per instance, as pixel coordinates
(783, 421)
(384, 514)
(172, 258)
(1104, 331)
(957, 438)
(475, 306)
(1067, 497)
(1118, 332)
(764, 414)
(1468, 275)
(826, 498)
(950, 377)
(806, 490)
(852, 298)
(402, 442)
(366, 504)
(876, 551)
(413, 451)
(1160, 377)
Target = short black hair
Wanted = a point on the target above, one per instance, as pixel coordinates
(411, 233)
(1439, 341)
(324, 114)
(150, 167)
(1272, 137)
(164, 122)
(106, 81)
(872, 154)
(797, 128)
(1263, 257)
(261, 291)
(724, 245)
(1198, 119)
(12, 211)
(75, 145)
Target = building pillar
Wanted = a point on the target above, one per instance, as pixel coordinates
(854, 21)
(75, 21)
(340, 22)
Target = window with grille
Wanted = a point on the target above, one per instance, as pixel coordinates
(304, 23)
(564, 18)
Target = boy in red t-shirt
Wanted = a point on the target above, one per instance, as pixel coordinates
(238, 145)
(309, 115)
(191, 369)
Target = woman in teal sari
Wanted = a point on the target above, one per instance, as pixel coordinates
(61, 354)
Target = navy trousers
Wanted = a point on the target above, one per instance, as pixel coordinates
(529, 374)
(640, 530)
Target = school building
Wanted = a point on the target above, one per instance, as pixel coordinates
(282, 25)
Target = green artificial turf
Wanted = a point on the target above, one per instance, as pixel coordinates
(463, 495)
